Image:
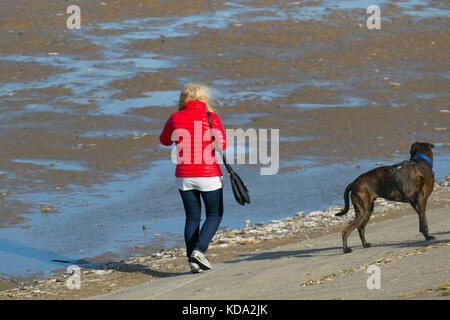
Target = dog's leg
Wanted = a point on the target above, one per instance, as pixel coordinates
(359, 215)
(362, 226)
(420, 207)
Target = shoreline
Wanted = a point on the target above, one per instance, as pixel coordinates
(101, 278)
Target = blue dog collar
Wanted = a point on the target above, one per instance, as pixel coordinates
(424, 157)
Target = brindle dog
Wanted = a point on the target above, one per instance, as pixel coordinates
(409, 181)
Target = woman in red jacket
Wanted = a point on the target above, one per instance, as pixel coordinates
(198, 172)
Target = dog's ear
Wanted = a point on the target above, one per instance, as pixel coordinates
(413, 150)
(430, 145)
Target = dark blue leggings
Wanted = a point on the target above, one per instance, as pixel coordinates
(196, 238)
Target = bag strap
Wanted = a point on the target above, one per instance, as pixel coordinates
(229, 169)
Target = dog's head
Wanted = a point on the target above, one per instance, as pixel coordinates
(424, 148)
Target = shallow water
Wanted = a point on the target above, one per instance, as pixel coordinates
(350, 102)
(54, 164)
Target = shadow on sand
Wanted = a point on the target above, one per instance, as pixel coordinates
(336, 251)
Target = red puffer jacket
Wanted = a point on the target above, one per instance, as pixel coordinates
(189, 129)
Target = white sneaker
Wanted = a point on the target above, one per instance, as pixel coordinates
(200, 258)
(195, 268)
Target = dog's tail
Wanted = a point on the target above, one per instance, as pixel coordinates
(347, 204)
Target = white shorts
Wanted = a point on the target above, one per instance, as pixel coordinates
(200, 183)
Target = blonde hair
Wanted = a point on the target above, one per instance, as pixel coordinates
(197, 92)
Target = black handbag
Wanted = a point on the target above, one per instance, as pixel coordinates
(239, 188)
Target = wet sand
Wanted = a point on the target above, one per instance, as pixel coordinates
(81, 109)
